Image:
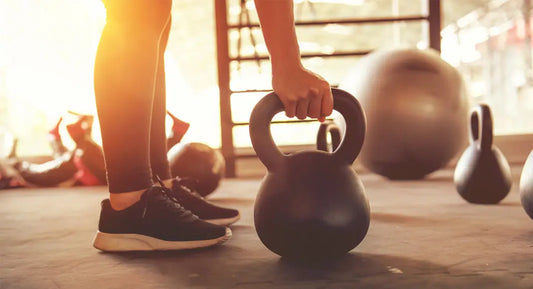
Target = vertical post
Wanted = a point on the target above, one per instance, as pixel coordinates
(226, 122)
(434, 18)
(396, 32)
(526, 12)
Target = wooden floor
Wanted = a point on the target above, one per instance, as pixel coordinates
(422, 235)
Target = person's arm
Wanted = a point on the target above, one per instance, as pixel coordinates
(302, 92)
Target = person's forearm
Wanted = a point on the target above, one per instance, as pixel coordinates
(302, 92)
(277, 24)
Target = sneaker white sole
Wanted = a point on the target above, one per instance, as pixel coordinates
(135, 242)
(225, 221)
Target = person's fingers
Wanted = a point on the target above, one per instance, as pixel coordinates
(327, 103)
(290, 108)
(302, 108)
(315, 103)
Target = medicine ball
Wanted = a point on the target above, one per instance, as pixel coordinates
(197, 161)
(417, 111)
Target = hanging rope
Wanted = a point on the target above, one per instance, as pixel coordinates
(244, 13)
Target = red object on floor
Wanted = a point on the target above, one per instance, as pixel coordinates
(84, 176)
(179, 128)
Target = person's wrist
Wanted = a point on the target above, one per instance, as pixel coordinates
(285, 66)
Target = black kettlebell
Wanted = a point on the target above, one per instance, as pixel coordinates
(482, 174)
(328, 127)
(526, 186)
(311, 204)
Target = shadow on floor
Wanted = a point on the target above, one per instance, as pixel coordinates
(405, 219)
(253, 266)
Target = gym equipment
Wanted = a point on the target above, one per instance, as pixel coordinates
(328, 127)
(59, 172)
(197, 161)
(482, 174)
(311, 204)
(526, 186)
(417, 111)
(84, 120)
(179, 128)
(9, 176)
(82, 166)
(88, 155)
(55, 140)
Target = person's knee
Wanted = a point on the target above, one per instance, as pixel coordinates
(148, 14)
(157, 14)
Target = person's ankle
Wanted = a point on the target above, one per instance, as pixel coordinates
(122, 201)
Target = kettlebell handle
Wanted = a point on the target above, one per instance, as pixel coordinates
(481, 118)
(270, 105)
(328, 127)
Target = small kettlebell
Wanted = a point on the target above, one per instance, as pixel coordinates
(311, 204)
(482, 174)
(328, 127)
(526, 186)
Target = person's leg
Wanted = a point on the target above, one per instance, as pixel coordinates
(125, 69)
(158, 153)
(158, 138)
(138, 215)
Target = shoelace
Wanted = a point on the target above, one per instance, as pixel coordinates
(187, 185)
(184, 213)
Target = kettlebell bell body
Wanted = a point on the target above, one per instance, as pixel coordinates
(482, 174)
(526, 186)
(311, 204)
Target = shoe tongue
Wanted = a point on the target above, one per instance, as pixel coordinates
(157, 196)
(190, 184)
(153, 194)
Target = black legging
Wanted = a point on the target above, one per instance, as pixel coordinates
(130, 92)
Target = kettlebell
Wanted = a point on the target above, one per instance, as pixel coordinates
(482, 174)
(325, 128)
(526, 186)
(311, 204)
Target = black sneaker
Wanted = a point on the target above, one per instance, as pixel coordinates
(183, 190)
(155, 222)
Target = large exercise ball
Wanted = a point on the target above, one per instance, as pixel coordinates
(197, 161)
(417, 110)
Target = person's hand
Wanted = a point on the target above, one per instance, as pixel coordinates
(303, 93)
